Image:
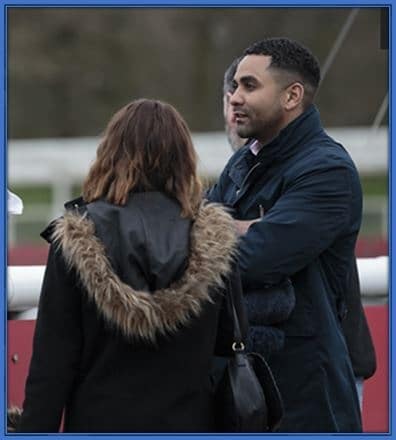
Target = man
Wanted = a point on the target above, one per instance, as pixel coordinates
(307, 190)
(265, 312)
(354, 323)
(234, 140)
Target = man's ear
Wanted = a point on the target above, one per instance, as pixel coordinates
(293, 96)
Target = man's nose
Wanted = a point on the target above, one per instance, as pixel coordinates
(236, 98)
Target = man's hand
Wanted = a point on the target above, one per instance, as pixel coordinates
(242, 226)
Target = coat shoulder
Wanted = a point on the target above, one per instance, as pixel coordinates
(145, 314)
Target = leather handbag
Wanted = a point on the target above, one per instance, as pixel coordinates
(247, 398)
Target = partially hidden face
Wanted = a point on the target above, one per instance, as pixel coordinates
(234, 139)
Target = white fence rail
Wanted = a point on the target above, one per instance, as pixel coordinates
(24, 283)
(68, 159)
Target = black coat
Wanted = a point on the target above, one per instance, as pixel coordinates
(130, 315)
(309, 189)
(356, 330)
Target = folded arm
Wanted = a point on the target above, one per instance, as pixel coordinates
(305, 220)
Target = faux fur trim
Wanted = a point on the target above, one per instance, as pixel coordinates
(144, 314)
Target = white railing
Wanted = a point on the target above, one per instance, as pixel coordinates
(24, 283)
(60, 161)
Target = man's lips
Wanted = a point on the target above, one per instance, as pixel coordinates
(239, 116)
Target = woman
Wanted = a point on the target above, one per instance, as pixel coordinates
(132, 304)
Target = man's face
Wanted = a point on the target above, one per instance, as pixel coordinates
(257, 100)
(230, 125)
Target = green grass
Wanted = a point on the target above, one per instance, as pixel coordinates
(33, 194)
(376, 185)
(39, 194)
(372, 185)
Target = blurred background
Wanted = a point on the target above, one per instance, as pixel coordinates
(70, 69)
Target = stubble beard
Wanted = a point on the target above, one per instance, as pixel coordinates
(264, 130)
(245, 131)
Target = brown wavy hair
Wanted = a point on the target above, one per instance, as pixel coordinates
(146, 146)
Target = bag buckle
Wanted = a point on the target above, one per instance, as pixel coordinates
(238, 346)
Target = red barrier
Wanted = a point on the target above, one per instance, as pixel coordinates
(20, 338)
(27, 255)
(375, 396)
(376, 389)
(371, 247)
(36, 254)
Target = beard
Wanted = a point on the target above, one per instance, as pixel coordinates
(263, 129)
(245, 131)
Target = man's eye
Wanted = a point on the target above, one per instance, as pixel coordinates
(249, 86)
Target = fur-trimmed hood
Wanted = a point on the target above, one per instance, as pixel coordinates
(143, 314)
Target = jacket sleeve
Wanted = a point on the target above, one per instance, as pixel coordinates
(56, 349)
(305, 220)
(225, 332)
(214, 193)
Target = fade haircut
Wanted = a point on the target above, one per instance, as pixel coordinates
(228, 82)
(292, 58)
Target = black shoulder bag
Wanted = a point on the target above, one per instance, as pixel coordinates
(247, 398)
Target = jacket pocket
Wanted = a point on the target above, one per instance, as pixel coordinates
(270, 305)
(301, 321)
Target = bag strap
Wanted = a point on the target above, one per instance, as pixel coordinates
(238, 344)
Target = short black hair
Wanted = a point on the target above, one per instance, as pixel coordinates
(290, 56)
(228, 82)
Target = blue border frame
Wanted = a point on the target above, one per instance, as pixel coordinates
(3, 231)
(194, 4)
(392, 158)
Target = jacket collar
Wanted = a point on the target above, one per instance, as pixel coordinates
(147, 314)
(292, 136)
(289, 140)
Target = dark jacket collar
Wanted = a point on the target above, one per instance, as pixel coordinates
(292, 137)
(288, 142)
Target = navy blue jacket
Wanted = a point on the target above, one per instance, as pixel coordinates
(310, 191)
